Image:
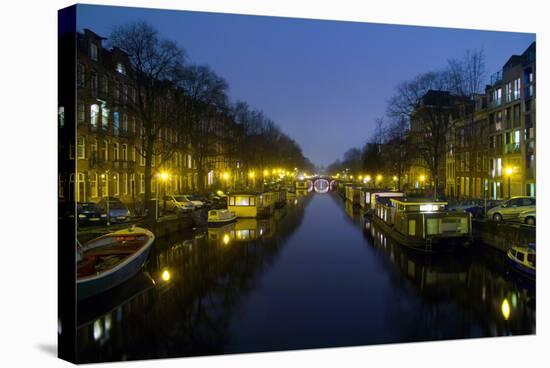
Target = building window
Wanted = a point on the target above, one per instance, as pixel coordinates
(81, 148)
(120, 68)
(93, 51)
(189, 162)
(104, 185)
(125, 93)
(508, 91)
(94, 115)
(105, 150)
(115, 152)
(105, 85)
(81, 75)
(93, 185)
(141, 183)
(517, 88)
(93, 82)
(81, 113)
(125, 183)
(124, 123)
(115, 122)
(116, 188)
(104, 117)
(142, 158)
(125, 152)
(61, 116)
(93, 150)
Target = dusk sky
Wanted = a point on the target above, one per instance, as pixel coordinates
(323, 82)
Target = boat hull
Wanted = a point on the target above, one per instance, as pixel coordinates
(219, 223)
(521, 269)
(91, 286)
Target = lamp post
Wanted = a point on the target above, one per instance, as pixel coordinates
(106, 177)
(395, 178)
(509, 172)
(422, 178)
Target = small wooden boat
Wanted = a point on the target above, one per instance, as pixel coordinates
(523, 259)
(111, 259)
(220, 217)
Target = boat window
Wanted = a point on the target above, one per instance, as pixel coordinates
(513, 252)
(252, 201)
(520, 256)
(531, 258)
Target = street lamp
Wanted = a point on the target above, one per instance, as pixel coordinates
(395, 178)
(422, 178)
(225, 177)
(509, 171)
(252, 175)
(378, 178)
(164, 177)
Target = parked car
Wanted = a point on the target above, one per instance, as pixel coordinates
(511, 209)
(89, 213)
(528, 217)
(118, 211)
(474, 207)
(178, 204)
(197, 202)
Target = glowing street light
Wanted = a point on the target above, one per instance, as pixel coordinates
(509, 171)
(505, 309)
(166, 275)
(422, 178)
(367, 178)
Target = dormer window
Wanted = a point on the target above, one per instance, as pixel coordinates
(93, 51)
(120, 68)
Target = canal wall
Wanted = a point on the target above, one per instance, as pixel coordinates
(502, 236)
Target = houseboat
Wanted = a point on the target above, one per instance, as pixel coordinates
(251, 204)
(302, 185)
(523, 259)
(422, 224)
(279, 198)
(365, 196)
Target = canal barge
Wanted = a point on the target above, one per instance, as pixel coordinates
(249, 204)
(423, 224)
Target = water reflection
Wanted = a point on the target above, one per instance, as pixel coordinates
(316, 274)
(181, 303)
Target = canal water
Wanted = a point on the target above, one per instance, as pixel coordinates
(316, 274)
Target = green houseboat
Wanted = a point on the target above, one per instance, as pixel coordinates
(423, 224)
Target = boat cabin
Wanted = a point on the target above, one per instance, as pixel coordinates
(251, 204)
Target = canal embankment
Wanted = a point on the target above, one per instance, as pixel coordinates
(503, 235)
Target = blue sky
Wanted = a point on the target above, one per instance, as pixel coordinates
(323, 82)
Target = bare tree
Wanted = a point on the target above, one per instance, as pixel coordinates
(154, 63)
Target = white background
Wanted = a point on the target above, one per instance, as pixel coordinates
(28, 260)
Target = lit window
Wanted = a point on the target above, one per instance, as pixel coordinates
(120, 68)
(125, 152)
(104, 116)
(115, 121)
(94, 115)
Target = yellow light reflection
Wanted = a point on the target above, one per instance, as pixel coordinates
(226, 239)
(166, 275)
(505, 309)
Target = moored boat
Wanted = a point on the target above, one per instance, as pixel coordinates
(111, 259)
(221, 217)
(423, 224)
(523, 259)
